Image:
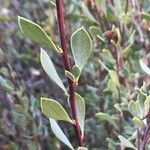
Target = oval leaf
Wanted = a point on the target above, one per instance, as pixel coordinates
(144, 67)
(76, 72)
(35, 32)
(59, 133)
(70, 75)
(138, 122)
(50, 69)
(147, 105)
(114, 77)
(134, 108)
(81, 46)
(95, 31)
(80, 106)
(108, 118)
(125, 142)
(82, 148)
(105, 117)
(145, 15)
(53, 109)
(4, 85)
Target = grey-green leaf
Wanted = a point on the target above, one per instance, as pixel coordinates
(59, 133)
(147, 105)
(53, 109)
(144, 67)
(80, 105)
(81, 46)
(105, 117)
(114, 77)
(94, 31)
(4, 85)
(35, 33)
(138, 122)
(70, 75)
(125, 142)
(50, 69)
(145, 15)
(76, 72)
(82, 148)
(134, 108)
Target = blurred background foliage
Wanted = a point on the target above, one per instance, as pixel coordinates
(22, 80)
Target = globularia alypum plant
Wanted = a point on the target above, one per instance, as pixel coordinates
(81, 47)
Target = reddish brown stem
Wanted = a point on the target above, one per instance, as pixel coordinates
(72, 86)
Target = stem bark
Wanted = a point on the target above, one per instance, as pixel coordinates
(72, 85)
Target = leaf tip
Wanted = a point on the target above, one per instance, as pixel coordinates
(19, 22)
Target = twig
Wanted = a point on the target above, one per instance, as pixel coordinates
(67, 65)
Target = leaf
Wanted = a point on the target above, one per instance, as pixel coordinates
(125, 142)
(144, 67)
(19, 119)
(145, 15)
(81, 46)
(82, 148)
(31, 145)
(114, 77)
(53, 109)
(76, 72)
(147, 105)
(138, 122)
(80, 106)
(107, 57)
(134, 108)
(106, 117)
(126, 51)
(70, 75)
(59, 133)
(117, 30)
(118, 107)
(19, 109)
(94, 31)
(131, 38)
(50, 69)
(4, 85)
(35, 33)
(53, 3)
(111, 86)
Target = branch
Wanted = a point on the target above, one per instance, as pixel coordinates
(72, 86)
